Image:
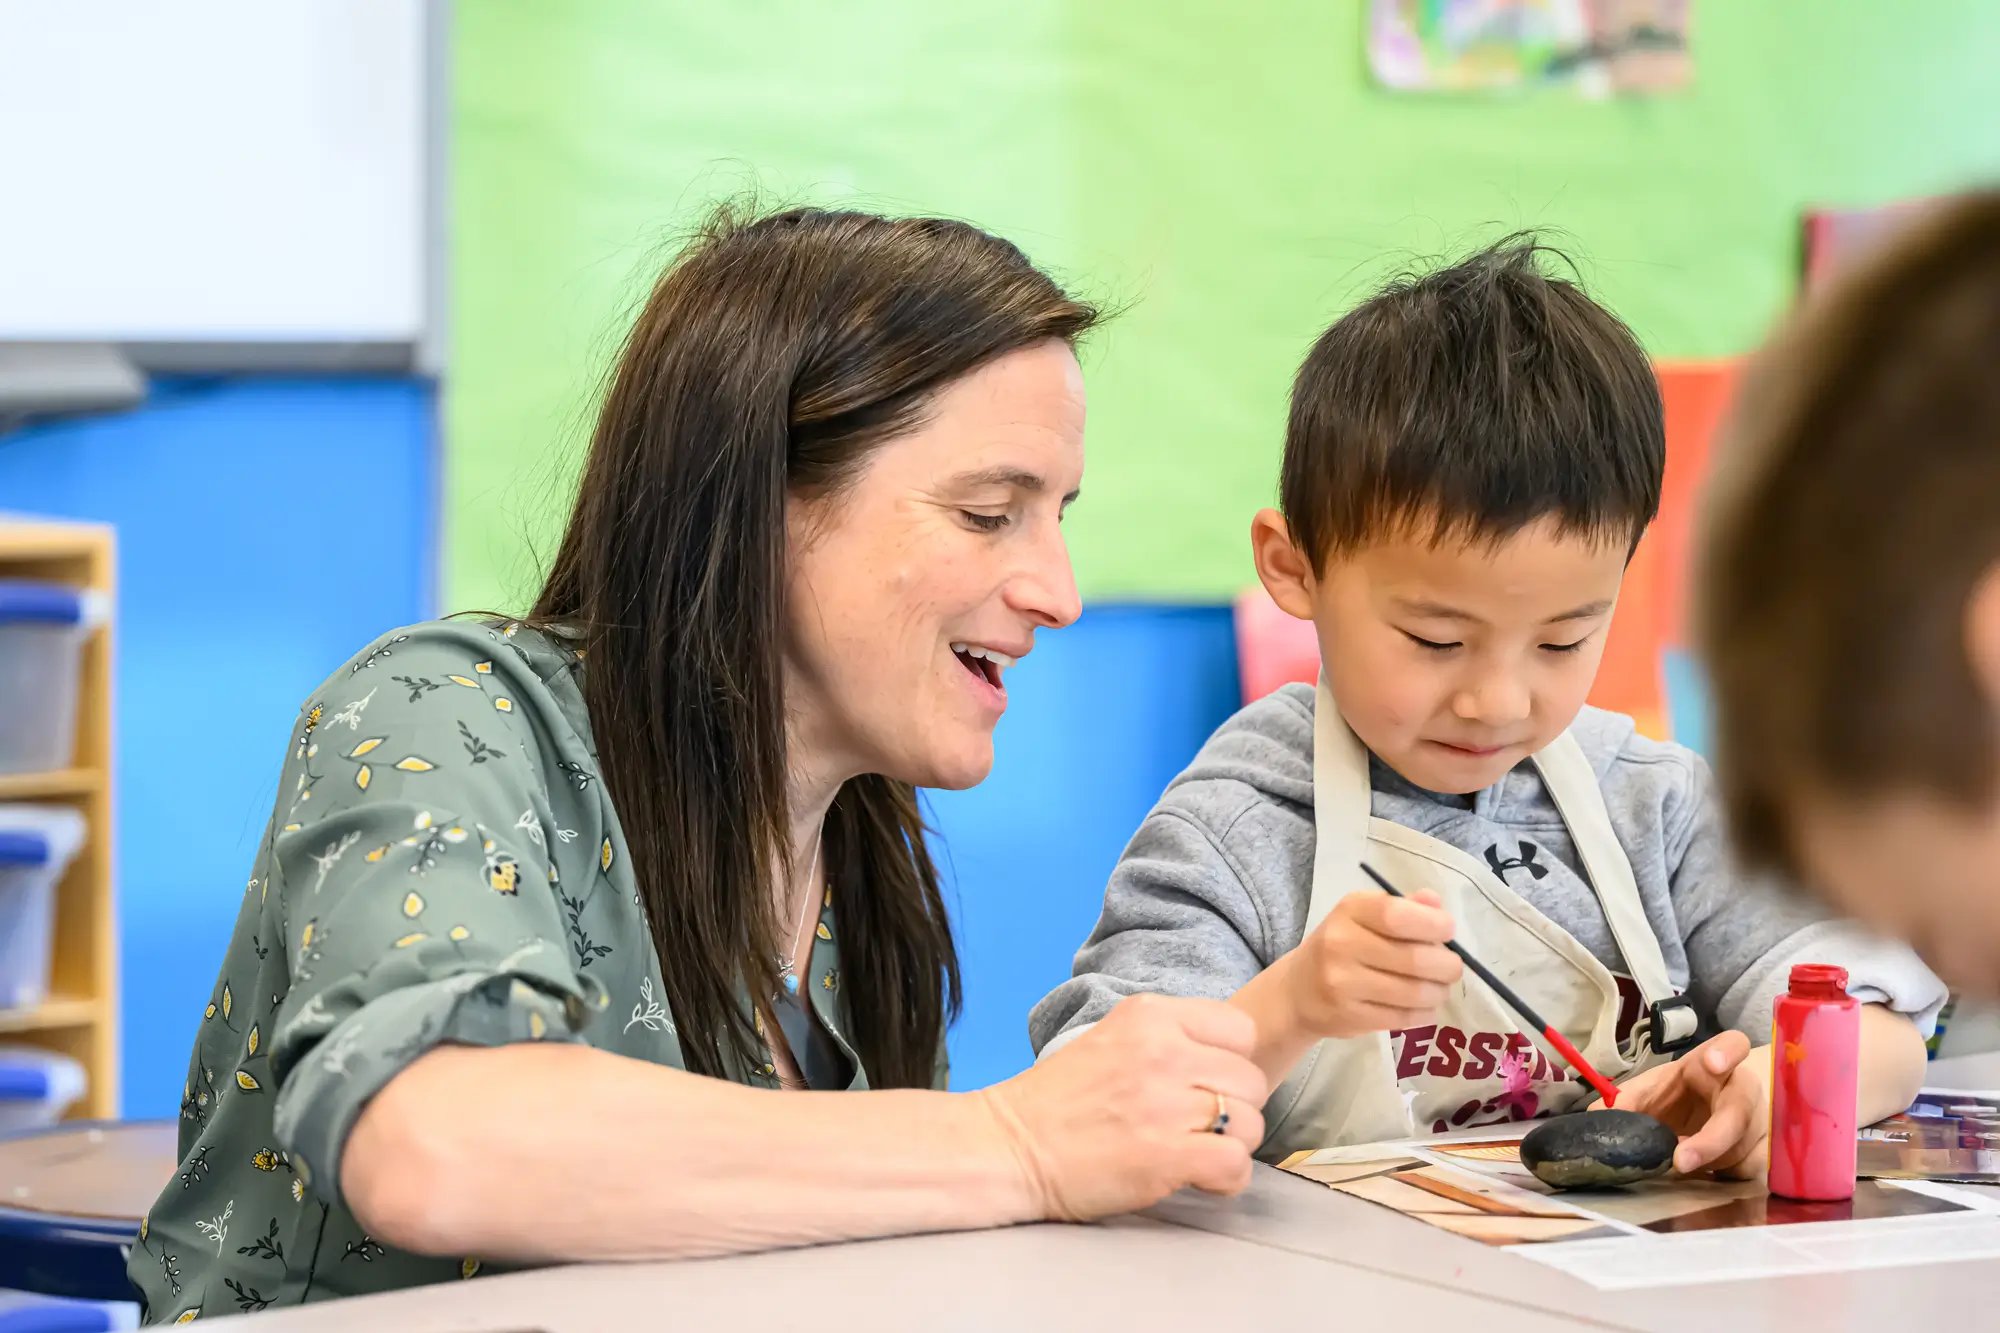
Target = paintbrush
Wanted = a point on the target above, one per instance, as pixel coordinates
(1520, 1006)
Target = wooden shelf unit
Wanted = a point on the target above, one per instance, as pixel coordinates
(80, 1015)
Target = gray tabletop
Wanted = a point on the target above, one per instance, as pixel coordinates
(1286, 1250)
(1128, 1274)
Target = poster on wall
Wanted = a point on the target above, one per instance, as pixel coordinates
(1596, 48)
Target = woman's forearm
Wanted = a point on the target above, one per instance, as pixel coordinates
(561, 1152)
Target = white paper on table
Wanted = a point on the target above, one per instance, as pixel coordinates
(1687, 1258)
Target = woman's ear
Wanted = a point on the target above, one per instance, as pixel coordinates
(1286, 574)
(1982, 635)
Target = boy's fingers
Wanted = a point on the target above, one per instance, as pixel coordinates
(1396, 992)
(1728, 1123)
(1404, 919)
(1641, 1094)
(1420, 962)
(1733, 1162)
(1709, 1067)
(1374, 1017)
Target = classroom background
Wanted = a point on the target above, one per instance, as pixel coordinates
(327, 290)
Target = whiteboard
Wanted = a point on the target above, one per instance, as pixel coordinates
(216, 171)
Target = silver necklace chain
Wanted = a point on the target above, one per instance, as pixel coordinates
(788, 972)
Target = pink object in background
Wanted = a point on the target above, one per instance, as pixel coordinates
(1272, 648)
(1834, 237)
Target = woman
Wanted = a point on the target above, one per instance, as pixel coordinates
(565, 931)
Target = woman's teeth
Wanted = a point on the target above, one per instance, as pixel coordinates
(992, 655)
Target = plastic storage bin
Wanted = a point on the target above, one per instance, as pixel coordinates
(36, 1087)
(37, 843)
(43, 627)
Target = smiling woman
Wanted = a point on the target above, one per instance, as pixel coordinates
(644, 867)
(916, 586)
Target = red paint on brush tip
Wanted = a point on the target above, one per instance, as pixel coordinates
(1582, 1066)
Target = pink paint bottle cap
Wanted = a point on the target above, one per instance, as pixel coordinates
(1818, 981)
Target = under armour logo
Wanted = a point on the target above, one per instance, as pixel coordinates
(1526, 862)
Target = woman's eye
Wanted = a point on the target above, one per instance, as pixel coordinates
(985, 522)
(1430, 645)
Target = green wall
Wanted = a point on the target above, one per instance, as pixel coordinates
(1234, 177)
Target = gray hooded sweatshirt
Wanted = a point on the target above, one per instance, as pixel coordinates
(1214, 886)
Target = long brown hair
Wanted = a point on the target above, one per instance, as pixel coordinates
(773, 356)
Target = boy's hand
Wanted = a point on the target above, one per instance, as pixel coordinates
(1375, 964)
(1718, 1100)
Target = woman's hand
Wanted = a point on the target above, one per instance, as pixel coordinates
(1717, 1098)
(1120, 1118)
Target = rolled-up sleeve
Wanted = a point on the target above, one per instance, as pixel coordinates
(419, 908)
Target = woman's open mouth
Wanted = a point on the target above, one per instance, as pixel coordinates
(985, 664)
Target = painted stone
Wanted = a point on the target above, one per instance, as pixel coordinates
(1593, 1149)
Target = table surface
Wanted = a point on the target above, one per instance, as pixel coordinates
(1132, 1273)
(1287, 1248)
(102, 1172)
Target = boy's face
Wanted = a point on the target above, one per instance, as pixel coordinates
(1455, 662)
(1914, 867)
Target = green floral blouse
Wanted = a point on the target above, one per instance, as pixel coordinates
(442, 866)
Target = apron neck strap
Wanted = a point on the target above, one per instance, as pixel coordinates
(1579, 797)
(1342, 801)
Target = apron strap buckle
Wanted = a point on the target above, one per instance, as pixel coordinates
(1673, 1025)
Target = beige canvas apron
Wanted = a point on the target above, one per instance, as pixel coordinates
(1476, 1064)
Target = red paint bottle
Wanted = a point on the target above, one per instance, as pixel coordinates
(1815, 1059)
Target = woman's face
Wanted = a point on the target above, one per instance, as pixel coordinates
(913, 590)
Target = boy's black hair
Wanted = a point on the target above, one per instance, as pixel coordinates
(1468, 402)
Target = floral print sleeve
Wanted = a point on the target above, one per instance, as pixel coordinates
(441, 866)
(416, 910)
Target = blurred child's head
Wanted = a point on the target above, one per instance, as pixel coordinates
(1471, 458)
(1850, 595)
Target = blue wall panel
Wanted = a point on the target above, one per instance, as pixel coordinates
(1100, 717)
(267, 528)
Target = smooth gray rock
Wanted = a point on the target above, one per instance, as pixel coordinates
(1594, 1149)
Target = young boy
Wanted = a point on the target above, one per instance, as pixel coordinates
(1471, 458)
(1851, 595)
